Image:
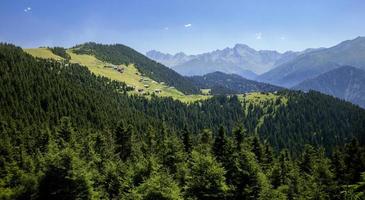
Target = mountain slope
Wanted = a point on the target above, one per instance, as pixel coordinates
(120, 54)
(346, 82)
(312, 64)
(221, 83)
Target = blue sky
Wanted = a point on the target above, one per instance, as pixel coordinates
(191, 26)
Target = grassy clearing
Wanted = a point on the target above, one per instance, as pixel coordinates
(259, 98)
(43, 53)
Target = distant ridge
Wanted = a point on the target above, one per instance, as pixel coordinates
(221, 83)
(312, 64)
(346, 83)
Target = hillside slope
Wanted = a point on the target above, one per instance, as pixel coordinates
(42, 91)
(119, 54)
(346, 83)
(221, 83)
(312, 64)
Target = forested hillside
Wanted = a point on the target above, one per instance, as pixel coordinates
(68, 134)
(120, 54)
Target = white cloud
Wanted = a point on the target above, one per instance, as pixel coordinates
(187, 25)
(258, 36)
(27, 9)
(282, 38)
(166, 28)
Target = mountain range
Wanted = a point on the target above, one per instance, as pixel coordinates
(241, 59)
(300, 70)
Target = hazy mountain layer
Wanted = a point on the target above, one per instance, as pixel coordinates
(241, 60)
(347, 83)
(312, 64)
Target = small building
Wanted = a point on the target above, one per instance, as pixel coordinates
(131, 86)
(146, 86)
(162, 83)
(120, 69)
(111, 66)
(158, 91)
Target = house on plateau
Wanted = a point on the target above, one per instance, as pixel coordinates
(131, 86)
(120, 69)
(111, 66)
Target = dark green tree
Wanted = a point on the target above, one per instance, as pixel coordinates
(123, 137)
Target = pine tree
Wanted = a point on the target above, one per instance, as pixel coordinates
(354, 163)
(60, 182)
(123, 136)
(257, 149)
(239, 135)
(220, 145)
(206, 178)
(187, 140)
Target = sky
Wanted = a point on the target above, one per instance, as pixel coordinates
(190, 26)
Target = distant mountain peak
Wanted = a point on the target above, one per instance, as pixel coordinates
(242, 46)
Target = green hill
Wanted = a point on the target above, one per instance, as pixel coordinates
(119, 54)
